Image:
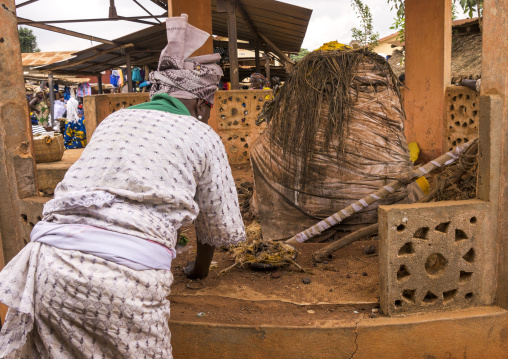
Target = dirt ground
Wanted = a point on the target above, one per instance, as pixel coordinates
(345, 287)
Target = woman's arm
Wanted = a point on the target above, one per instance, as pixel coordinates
(34, 103)
(199, 269)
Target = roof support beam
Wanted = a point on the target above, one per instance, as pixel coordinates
(30, 22)
(284, 58)
(66, 32)
(144, 22)
(233, 50)
(146, 10)
(82, 61)
(25, 3)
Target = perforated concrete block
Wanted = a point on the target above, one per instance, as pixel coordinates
(461, 119)
(433, 256)
(237, 112)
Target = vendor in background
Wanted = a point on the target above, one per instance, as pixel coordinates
(257, 81)
(40, 107)
(75, 132)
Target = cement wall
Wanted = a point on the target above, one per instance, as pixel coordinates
(435, 256)
(475, 333)
(98, 107)
(237, 112)
(462, 117)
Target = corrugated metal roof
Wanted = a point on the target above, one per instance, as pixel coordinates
(284, 24)
(44, 58)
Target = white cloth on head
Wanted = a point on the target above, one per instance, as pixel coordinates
(72, 110)
(181, 76)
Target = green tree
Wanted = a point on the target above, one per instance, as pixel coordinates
(468, 6)
(300, 55)
(365, 35)
(27, 40)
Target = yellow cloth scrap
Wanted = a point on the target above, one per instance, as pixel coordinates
(333, 45)
(414, 151)
(423, 184)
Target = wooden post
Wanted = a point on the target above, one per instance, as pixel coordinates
(233, 49)
(99, 83)
(267, 67)
(17, 166)
(51, 99)
(129, 73)
(258, 61)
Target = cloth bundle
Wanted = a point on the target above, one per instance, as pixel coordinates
(179, 75)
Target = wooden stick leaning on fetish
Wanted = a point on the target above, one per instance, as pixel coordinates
(324, 253)
(391, 187)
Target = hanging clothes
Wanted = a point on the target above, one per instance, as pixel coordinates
(67, 93)
(136, 75)
(120, 78)
(84, 89)
(113, 80)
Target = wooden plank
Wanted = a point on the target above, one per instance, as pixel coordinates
(99, 83)
(257, 59)
(267, 67)
(68, 32)
(74, 73)
(51, 99)
(233, 50)
(67, 63)
(239, 45)
(129, 72)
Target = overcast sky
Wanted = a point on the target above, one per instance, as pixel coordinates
(331, 20)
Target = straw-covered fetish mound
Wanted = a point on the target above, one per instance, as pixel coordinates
(335, 134)
(324, 84)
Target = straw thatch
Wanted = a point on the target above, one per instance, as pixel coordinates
(466, 54)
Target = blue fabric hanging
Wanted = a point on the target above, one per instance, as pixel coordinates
(67, 93)
(136, 76)
(113, 80)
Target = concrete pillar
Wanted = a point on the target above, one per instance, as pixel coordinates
(493, 164)
(51, 86)
(428, 66)
(17, 165)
